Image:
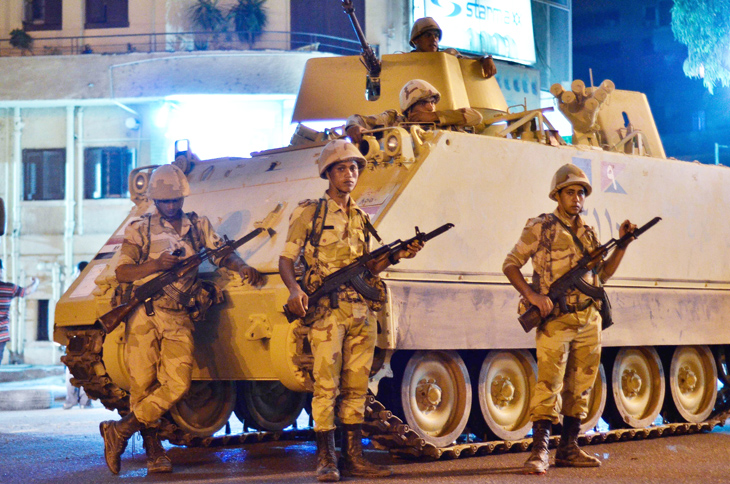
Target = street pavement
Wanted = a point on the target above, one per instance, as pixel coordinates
(53, 445)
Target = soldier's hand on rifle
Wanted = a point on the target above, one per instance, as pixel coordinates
(411, 251)
(543, 303)
(165, 261)
(355, 133)
(626, 228)
(298, 302)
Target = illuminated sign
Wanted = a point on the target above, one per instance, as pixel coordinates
(502, 28)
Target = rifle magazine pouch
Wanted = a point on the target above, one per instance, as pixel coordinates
(122, 294)
(206, 294)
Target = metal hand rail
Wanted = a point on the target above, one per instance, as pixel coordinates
(182, 42)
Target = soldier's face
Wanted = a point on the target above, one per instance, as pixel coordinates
(343, 175)
(170, 209)
(427, 105)
(571, 199)
(427, 41)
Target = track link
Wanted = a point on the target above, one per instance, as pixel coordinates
(386, 431)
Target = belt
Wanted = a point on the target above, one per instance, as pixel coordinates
(573, 308)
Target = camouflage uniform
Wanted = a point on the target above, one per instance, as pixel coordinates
(343, 339)
(568, 345)
(159, 349)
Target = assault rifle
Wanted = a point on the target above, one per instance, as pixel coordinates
(367, 57)
(355, 272)
(148, 290)
(573, 279)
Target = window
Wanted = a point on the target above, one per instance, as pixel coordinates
(44, 174)
(105, 14)
(42, 15)
(106, 172)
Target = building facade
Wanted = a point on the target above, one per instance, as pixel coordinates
(109, 85)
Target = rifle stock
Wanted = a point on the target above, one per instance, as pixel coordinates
(572, 279)
(354, 272)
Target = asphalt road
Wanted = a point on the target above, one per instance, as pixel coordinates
(56, 445)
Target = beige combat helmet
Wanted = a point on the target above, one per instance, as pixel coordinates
(423, 25)
(336, 151)
(415, 90)
(569, 175)
(168, 182)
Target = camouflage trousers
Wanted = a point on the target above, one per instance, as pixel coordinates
(159, 356)
(568, 359)
(343, 342)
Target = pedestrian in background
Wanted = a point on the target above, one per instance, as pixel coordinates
(8, 291)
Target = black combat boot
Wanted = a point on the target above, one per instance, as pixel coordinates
(539, 459)
(157, 459)
(353, 462)
(569, 454)
(116, 435)
(327, 457)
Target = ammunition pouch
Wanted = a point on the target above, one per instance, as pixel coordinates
(205, 294)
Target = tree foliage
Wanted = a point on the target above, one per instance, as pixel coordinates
(21, 39)
(249, 19)
(704, 27)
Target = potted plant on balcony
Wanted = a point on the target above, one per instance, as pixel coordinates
(208, 20)
(249, 19)
(22, 40)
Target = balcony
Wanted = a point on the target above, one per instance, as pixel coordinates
(181, 42)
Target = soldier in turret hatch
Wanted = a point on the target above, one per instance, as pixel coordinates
(425, 37)
(418, 101)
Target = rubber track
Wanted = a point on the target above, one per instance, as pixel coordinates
(386, 431)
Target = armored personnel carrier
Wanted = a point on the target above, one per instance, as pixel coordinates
(451, 357)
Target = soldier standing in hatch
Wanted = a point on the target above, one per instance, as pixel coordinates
(425, 37)
(159, 349)
(568, 344)
(331, 233)
(418, 101)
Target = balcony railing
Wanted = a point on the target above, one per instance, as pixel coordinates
(182, 42)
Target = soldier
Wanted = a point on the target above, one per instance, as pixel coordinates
(568, 344)
(425, 37)
(331, 233)
(418, 101)
(159, 349)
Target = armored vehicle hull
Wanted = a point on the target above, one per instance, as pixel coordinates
(451, 353)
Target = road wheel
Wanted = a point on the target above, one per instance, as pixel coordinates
(436, 395)
(637, 388)
(506, 384)
(692, 383)
(205, 408)
(268, 405)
